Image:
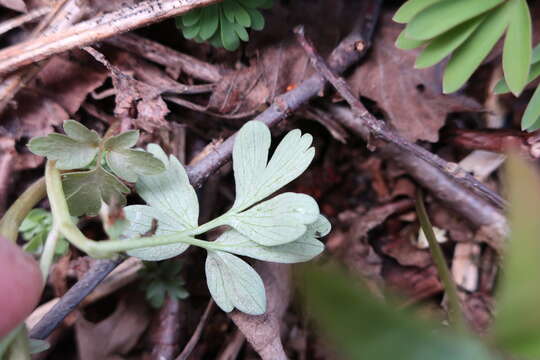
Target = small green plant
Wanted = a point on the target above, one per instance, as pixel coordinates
(35, 228)
(223, 24)
(160, 280)
(467, 31)
(282, 229)
(81, 148)
(366, 328)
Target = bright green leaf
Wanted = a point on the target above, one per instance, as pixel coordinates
(502, 87)
(468, 57)
(443, 45)
(228, 35)
(364, 328)
(85, 190)
(241, 32)
(517, 325)
(532, 112)
(277, 221)
(404, 43)
(192, 31)
(234, 284)
(192, 17)
(209, 22)
(445, 15)
(75, 150)
(517, 47)
(410, 8)
(257, 20)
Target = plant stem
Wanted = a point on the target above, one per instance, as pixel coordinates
(109, 248)
(455, 312)
(49, 249)
(10, 222)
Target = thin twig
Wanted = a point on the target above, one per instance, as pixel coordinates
(346, 53)
(95, 29)
(188, 349)
(163, 55)
(64, 13)
(380, 130)
(23, 19)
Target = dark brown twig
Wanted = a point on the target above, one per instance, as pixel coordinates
(349, 51)
(188, 349)
(381, 131)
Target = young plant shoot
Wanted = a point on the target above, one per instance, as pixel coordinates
(283, 229)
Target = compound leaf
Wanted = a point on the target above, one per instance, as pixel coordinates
(234, 284)
(410, 8)
(124, 140)
(468, 57)
(170, 190)
(75, 150)
(141, 221)
(85, 190)
(277, 221)
(444, 15)
(303, 249)
(257, 20)
(229, 38)
(209, 22)
(129, 164)
(255, 179)
(517, 50)
(443, 45)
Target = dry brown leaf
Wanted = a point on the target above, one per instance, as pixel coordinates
(412, 99)
(69, 82)
(263, 331)
(17, 5)
(116, 335)
(32, 115)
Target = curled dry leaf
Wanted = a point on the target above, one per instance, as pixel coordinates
(412, 99)
(263, 331)
(116, 335)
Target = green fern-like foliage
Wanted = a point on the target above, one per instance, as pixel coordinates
(224, 24)
(466, 32)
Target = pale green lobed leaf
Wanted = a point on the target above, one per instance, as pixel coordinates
(410, 8)
(250, 154)
(79, 132)
(129, 163)
(255, 179)
(303, 249)
(233, 283)
(141, 218)
(443, 45)
(444, 15)
(468, 57)
(170, 190)
(124, 140)
(85, 190)
(75, 150)
(517, 51)
(277, 221)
